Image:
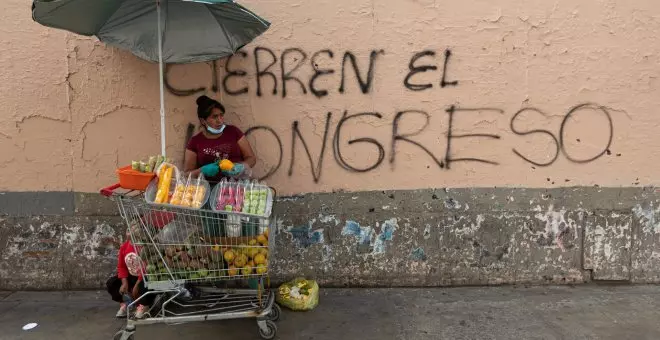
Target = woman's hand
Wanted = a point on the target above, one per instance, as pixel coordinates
(210, 170)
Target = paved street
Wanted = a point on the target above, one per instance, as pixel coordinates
(583, 312)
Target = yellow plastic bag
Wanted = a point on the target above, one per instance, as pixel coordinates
(298, 295)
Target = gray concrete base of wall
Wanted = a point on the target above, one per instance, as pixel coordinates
(431, 237)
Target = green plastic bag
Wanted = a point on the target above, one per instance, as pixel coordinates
(298, 295)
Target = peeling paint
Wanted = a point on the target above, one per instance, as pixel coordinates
(418, 254)
(329, 219)
(101, 242)
(556, 225)
(386, 234)
(47, 240)
(648, 217)
(467, 229)
(451, 203)
(362, 234)
(304, 236)
(366, 236)
(427, 231)
(345, 245)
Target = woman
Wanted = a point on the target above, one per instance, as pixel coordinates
(217, 141)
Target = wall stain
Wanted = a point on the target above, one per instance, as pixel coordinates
(367, 240)
(304, 236)
(418, 254)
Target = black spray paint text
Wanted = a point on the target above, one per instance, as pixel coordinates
(283, 74)
(444, 159)
(280, 75)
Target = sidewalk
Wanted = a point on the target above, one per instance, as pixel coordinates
(583, 312)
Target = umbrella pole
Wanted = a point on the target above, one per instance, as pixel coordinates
(162, 81)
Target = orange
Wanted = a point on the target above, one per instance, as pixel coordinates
(261, 269)
(226, 165)
(229, 256)
(260, 259)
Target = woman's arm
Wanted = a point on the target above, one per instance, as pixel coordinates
(190, 162)
(246, 149)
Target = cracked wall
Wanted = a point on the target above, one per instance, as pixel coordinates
(516, 140)
(429, 237)
(80, 109)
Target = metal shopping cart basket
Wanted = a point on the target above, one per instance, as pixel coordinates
(195, 263)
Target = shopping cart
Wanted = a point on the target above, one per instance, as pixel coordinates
(199, 264)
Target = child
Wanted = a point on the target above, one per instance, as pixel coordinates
(129, 279)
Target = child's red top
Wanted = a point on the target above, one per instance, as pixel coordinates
(128, 262)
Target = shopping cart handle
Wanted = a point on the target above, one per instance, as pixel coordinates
(107, 192)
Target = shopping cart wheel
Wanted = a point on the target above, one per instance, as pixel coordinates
(123, 335)
(270, 330)
(275, 312)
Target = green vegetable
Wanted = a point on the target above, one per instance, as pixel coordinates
(159, 161)
(151, 164)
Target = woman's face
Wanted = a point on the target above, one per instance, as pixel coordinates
(215, 119)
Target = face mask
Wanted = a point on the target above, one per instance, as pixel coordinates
(215, 131)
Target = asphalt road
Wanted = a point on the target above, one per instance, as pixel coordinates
(583, 312)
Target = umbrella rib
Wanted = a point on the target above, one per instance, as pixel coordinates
(107, 20)
(253, 15)
(224, 29)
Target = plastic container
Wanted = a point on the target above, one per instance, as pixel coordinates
(223, 195)
(134, 180)
(152, 188)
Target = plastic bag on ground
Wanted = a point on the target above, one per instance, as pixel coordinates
(298, 295)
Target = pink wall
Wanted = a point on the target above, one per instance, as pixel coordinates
(73, 110)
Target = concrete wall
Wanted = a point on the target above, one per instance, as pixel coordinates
(499, 102)
(429, 237)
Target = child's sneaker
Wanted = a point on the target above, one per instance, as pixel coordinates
(121, 313)
(141, 311)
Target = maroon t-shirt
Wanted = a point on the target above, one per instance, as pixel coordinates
(210, 150)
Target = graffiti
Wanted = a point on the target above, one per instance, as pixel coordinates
(265, 71)
(286, 75)
(316, 171)
(406, 137)
(574, 111)
(415, 69)
(531, 132)
(266, 60)
(318, 72)
(231, 73)
(337, 149)
(294, 73)
(365, 84)
(451, 136)
(378, 154)
(559, 142)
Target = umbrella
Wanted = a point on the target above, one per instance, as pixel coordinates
(163, 31)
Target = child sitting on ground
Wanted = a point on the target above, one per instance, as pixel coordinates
(128, 279)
